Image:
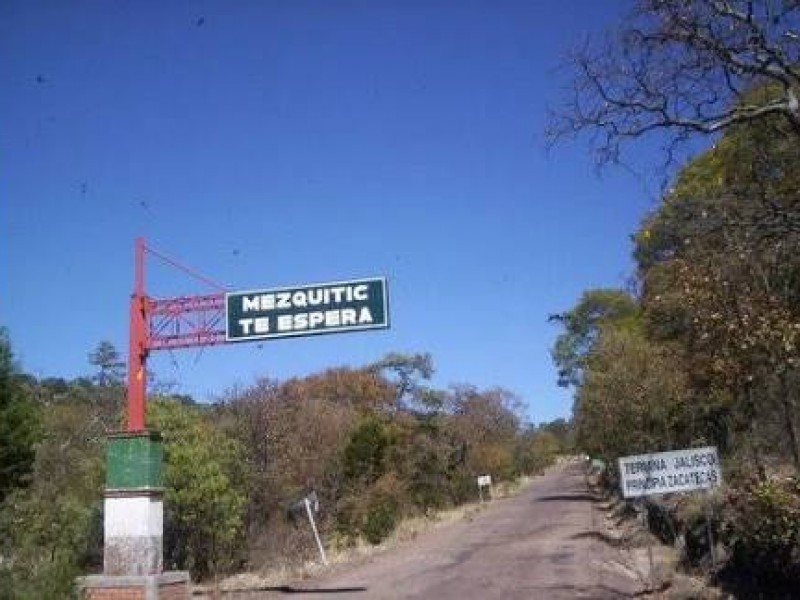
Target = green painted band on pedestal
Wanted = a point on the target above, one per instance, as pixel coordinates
(133, 460)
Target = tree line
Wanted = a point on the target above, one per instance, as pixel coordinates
(376, 443)
(703, 347)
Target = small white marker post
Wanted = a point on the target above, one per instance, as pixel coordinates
(484, 481)
(314, 529)
(645, 522)
(709, 520)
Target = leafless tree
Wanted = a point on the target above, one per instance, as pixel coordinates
(684, 67)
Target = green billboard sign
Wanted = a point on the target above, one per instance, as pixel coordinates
(307, 310)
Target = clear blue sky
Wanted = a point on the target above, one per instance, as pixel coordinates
(277, 143)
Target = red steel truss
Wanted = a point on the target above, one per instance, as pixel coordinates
(166, 323)
(187, 321)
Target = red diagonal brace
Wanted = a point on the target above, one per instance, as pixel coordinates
(159, 324)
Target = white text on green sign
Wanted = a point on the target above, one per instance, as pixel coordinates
(306, 310)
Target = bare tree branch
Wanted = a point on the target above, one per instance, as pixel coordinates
(685, 68)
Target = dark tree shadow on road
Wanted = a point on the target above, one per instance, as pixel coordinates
(288, 589)
(596, 535)
(569, 498)
(257, 592)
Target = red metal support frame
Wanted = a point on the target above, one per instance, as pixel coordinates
(159, 324)
(186, 321)
(137, 344)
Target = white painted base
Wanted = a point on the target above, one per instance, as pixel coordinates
(133, 536)
(136, 516)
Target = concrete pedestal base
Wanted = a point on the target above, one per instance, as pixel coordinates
(134, 525)
(175, 585)
(133, 532)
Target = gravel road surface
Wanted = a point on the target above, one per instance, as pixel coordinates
(545, 543)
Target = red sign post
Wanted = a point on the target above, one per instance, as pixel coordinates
(165, 323)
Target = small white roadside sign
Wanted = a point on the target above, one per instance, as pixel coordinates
(484, 481)
(669, 472)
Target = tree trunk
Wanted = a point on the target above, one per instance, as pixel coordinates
(749, 430)
(789, 421)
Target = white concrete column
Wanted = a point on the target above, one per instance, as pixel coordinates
(134, 532)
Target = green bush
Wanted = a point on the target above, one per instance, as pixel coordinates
(50, 542)
(48, 529)
(364, 455)
(463, 488)
(429, 491)
(382, 517)
(762, 529)
(205, 495)
(372, 513)
(20, 426)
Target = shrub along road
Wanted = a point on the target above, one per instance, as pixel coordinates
(546, 542)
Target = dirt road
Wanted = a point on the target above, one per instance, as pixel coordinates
(545, 543)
